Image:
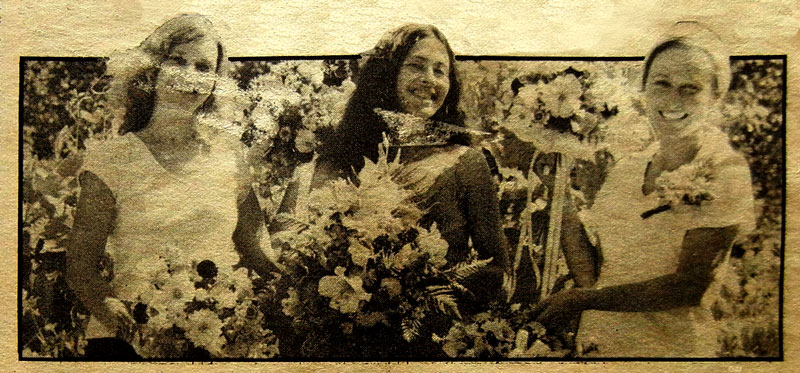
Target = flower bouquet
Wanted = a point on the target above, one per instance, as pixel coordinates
(292, 106)
(688, 185)
(361, 278)
(193, 308)
(500, 333)
(576, 113)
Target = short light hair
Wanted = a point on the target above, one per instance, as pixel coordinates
(690, 34)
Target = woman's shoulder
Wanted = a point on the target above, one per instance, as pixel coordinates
(118, 153)
(716, 149)
(470, 156)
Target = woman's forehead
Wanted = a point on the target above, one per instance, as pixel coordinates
(682, 60)
(430, 48)
(200, 47)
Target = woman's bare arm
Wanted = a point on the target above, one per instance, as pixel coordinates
(702, 250)
(247, 236)
(93, 223)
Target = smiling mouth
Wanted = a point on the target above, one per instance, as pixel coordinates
(428, 96)
(673, 115)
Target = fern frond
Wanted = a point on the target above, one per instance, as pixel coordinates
(410, 329)
(461, 288)
(463, 270)
(437, 289)
(446, 304)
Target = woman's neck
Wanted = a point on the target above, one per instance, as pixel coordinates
(675, 151)
(171, 125)
(171, 136)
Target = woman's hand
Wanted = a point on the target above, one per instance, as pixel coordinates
(115, 316)
(560, 308)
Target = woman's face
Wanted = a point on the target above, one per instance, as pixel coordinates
(188, 74)
(679, 90)
(424, 78)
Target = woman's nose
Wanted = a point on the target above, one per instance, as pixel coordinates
(675, 95)
(428, 76)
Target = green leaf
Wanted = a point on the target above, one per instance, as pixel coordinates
(446, 303)
(463, 270)
(410, 329)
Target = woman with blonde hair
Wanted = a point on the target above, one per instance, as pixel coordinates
(162, 181)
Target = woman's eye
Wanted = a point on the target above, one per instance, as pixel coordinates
(439, 71)
(689, 89)
(662, 84)
(177, 60)
(202, 67)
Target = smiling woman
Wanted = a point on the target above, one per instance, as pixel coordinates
(407, 79)
(665, 217)
(423, 80)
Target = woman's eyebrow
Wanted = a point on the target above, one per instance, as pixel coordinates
(418, 57)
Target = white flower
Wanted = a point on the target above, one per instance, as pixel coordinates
(527, 96)
(345, 292)
(313, 71)
(359, 252)
(561, 96)
(171, 299)
(159, 322)
(204, 329)
(431, 242)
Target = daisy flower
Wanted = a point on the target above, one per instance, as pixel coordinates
(562, 95)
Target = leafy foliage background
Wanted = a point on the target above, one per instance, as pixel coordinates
(63, 105)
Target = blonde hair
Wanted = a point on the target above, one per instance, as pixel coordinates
(134, 71)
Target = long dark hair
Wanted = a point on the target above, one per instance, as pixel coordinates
(139, 95)
(360, 130)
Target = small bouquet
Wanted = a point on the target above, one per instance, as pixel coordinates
(500, 333)
(688, 185)
(184, 305)
(293, 105)
(361, 278)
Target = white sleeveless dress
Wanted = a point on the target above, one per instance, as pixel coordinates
(194, 211)
(636, 249)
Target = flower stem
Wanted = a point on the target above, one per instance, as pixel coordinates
(552, 251)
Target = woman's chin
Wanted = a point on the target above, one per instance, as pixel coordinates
(180, 107)
(426, 113)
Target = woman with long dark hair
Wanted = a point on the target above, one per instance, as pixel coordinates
(411, 74)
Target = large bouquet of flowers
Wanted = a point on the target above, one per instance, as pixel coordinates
(578, 114)
(361, 278)
(184, 306)
(291, 106)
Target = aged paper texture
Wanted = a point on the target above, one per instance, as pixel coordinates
(675, 235)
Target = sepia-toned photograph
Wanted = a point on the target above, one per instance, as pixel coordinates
(408, 202)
